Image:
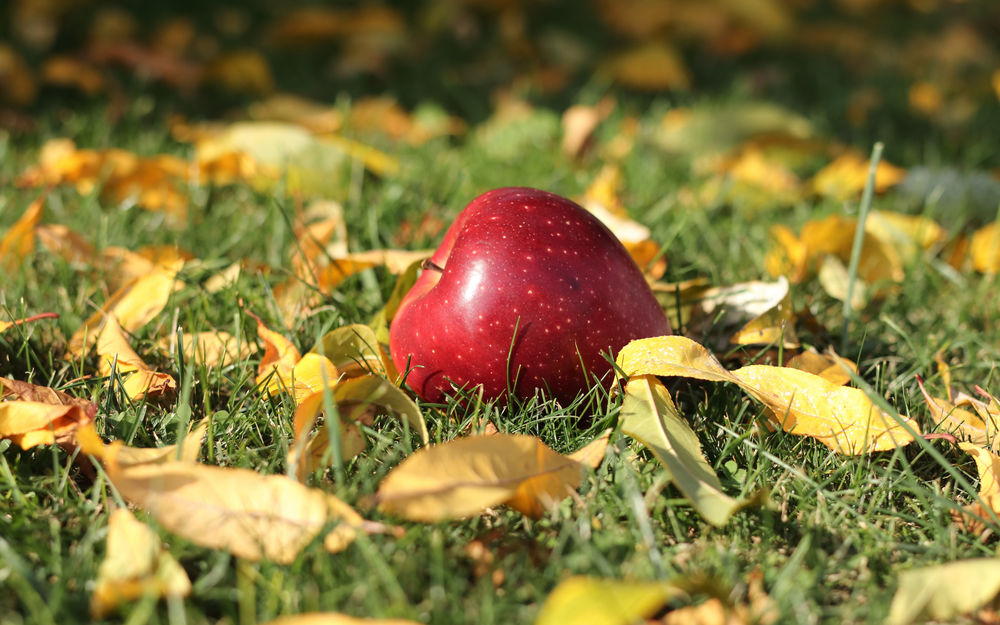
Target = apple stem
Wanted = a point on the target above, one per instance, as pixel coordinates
(429, 264)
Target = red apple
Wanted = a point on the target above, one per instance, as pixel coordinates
(527, 291)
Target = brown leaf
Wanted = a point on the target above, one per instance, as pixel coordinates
(15, 390)
(116, 355)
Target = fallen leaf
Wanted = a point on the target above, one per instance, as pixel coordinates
(835, 279)
(828, 366)
(69, 245)
(251, 515)
(279, 358)
(579, 123)
(943, 592)
(134, 305)
(187, 450)
(464, 476)
(15, 390)
(241, 71)
(311, 374)
(17, 84)
(209, 349)
(720, 128)
(68, 71)
(355, 350)
(964, 425)
(593, 601)
(972, 517)
(135, 565)
(845, 177)
(749, 313)
(842, 418)
(19, 241)
(650, 66)
(985, 248)
(356, 399)
(31, 423)
(649, 415)
(116, 355)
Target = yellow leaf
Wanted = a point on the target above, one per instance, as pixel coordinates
(835, 280)
(125, 456)
(69, 245)
(31, 423)
(652, 66)
(842, 418)
(280, 355)
(593, 601)
(114, 351)
(463, 477)
(943, 592)
(846, 176)
(210, 349)
(985, 248)
(748, 313)
(134, 305)
(829, 366)
(355, 350)
(579, 122)
(333, 618)
(251, 515)
(649, 416)
(310, 375)
(241, 71)
(134, 566)
(355, 398)
(19, 241)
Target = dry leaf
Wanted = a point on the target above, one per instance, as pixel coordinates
(842, 418)
(31, 423)
(828, 366)
(748, 313)
(593, 601)
(463, 477)
(846, 176)
(68, 71)
(19, 241)
(311, 374)
(116, 355)
(241, 71)
(649, 416)
(579, 123)
(15, 390)
(187, 450)
(17, 84)
(69, 245)
(134, 305)
(209, 349)
(651, 66)
(135, 565)
(251, 515)
(964, 425)
(356, 399)
(972, 517)
(355, 350)
(985, 248)
(943, 592)
(279, 358)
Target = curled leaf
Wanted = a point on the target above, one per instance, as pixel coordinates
(649, 415)
(134, 566)
(842, 418)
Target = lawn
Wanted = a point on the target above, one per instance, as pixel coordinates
(273, 176)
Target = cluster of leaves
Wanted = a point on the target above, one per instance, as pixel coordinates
(751, 157)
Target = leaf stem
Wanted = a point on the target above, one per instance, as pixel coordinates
(859, 240)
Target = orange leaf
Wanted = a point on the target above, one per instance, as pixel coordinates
(19, 241)
(31, 423)
(114, 351)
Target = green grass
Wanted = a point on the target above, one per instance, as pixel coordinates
(831, 543)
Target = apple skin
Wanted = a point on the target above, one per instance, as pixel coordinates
(527, 261)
